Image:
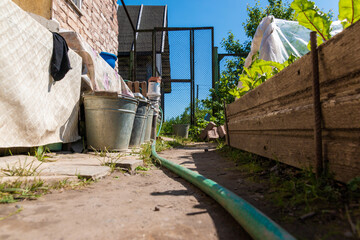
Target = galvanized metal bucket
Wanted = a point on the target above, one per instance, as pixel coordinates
(181, 130)
(139, 123)
(149, 125)
(109, 121)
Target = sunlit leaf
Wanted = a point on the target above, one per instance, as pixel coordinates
(309, 16)
(349, 12)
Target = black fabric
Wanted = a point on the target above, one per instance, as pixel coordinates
(60, 63)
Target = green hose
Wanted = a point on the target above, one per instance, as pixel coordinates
(257, 224)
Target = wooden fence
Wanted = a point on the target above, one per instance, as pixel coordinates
(276, 119)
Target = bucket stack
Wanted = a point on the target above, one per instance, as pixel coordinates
(117, 122)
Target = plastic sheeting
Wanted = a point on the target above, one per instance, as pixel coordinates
(276, 39)
(35, 110)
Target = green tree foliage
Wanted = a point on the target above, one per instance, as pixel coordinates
(184, 118)
(233, 68)
(278, 8)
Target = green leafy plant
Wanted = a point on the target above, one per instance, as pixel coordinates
(145, 152)
(258, 72)
(349, 12)
(16, 191)
(142, 168)
(40, 153)
(309, 16)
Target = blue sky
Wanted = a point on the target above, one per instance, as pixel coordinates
(224, 15)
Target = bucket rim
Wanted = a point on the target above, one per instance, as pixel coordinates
(112, 97)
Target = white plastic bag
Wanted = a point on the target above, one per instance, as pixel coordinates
(275, 39)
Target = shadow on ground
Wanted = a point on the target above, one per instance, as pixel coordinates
(225, 224)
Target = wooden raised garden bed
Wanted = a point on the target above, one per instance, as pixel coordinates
(276, 119)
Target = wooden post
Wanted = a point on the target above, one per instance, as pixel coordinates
(136, 87)
(317, 105)
(143, 88)
(130, 85)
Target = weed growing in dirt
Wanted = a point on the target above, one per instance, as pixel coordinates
(108, 158)
(40, 153)
(22, 169)
(145, 151)
(16, 191)
(180, 142)
(141, 168)
(298, 190)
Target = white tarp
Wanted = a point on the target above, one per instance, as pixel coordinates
(275, 39)
(34, 109)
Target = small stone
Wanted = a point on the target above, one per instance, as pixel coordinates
(348, 234)
(156, 209)
(240, 181)
(206, 150)
(126, 174)
(17, 206)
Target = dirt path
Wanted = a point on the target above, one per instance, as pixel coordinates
(154, 205)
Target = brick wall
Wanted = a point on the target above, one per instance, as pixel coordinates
(96, 22)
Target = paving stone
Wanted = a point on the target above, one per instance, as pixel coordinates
(47, 179)
(130, 164)
(93, 172)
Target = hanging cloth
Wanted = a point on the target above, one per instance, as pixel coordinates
(60, 63)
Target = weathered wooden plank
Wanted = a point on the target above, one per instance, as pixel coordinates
(339, 113)
(276, 119)
(296, 148)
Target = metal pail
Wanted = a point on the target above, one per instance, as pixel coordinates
(149, 125)
(181, 130)
(109, 121)
(139, 123)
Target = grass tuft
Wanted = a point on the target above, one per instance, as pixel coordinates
(292, 189)
(22, 169)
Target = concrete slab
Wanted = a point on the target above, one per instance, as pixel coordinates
(130, 163)
(16, 159)
(89, 165)
(48, 180)
(93, 172)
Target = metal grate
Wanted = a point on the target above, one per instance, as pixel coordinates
(183, 57)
